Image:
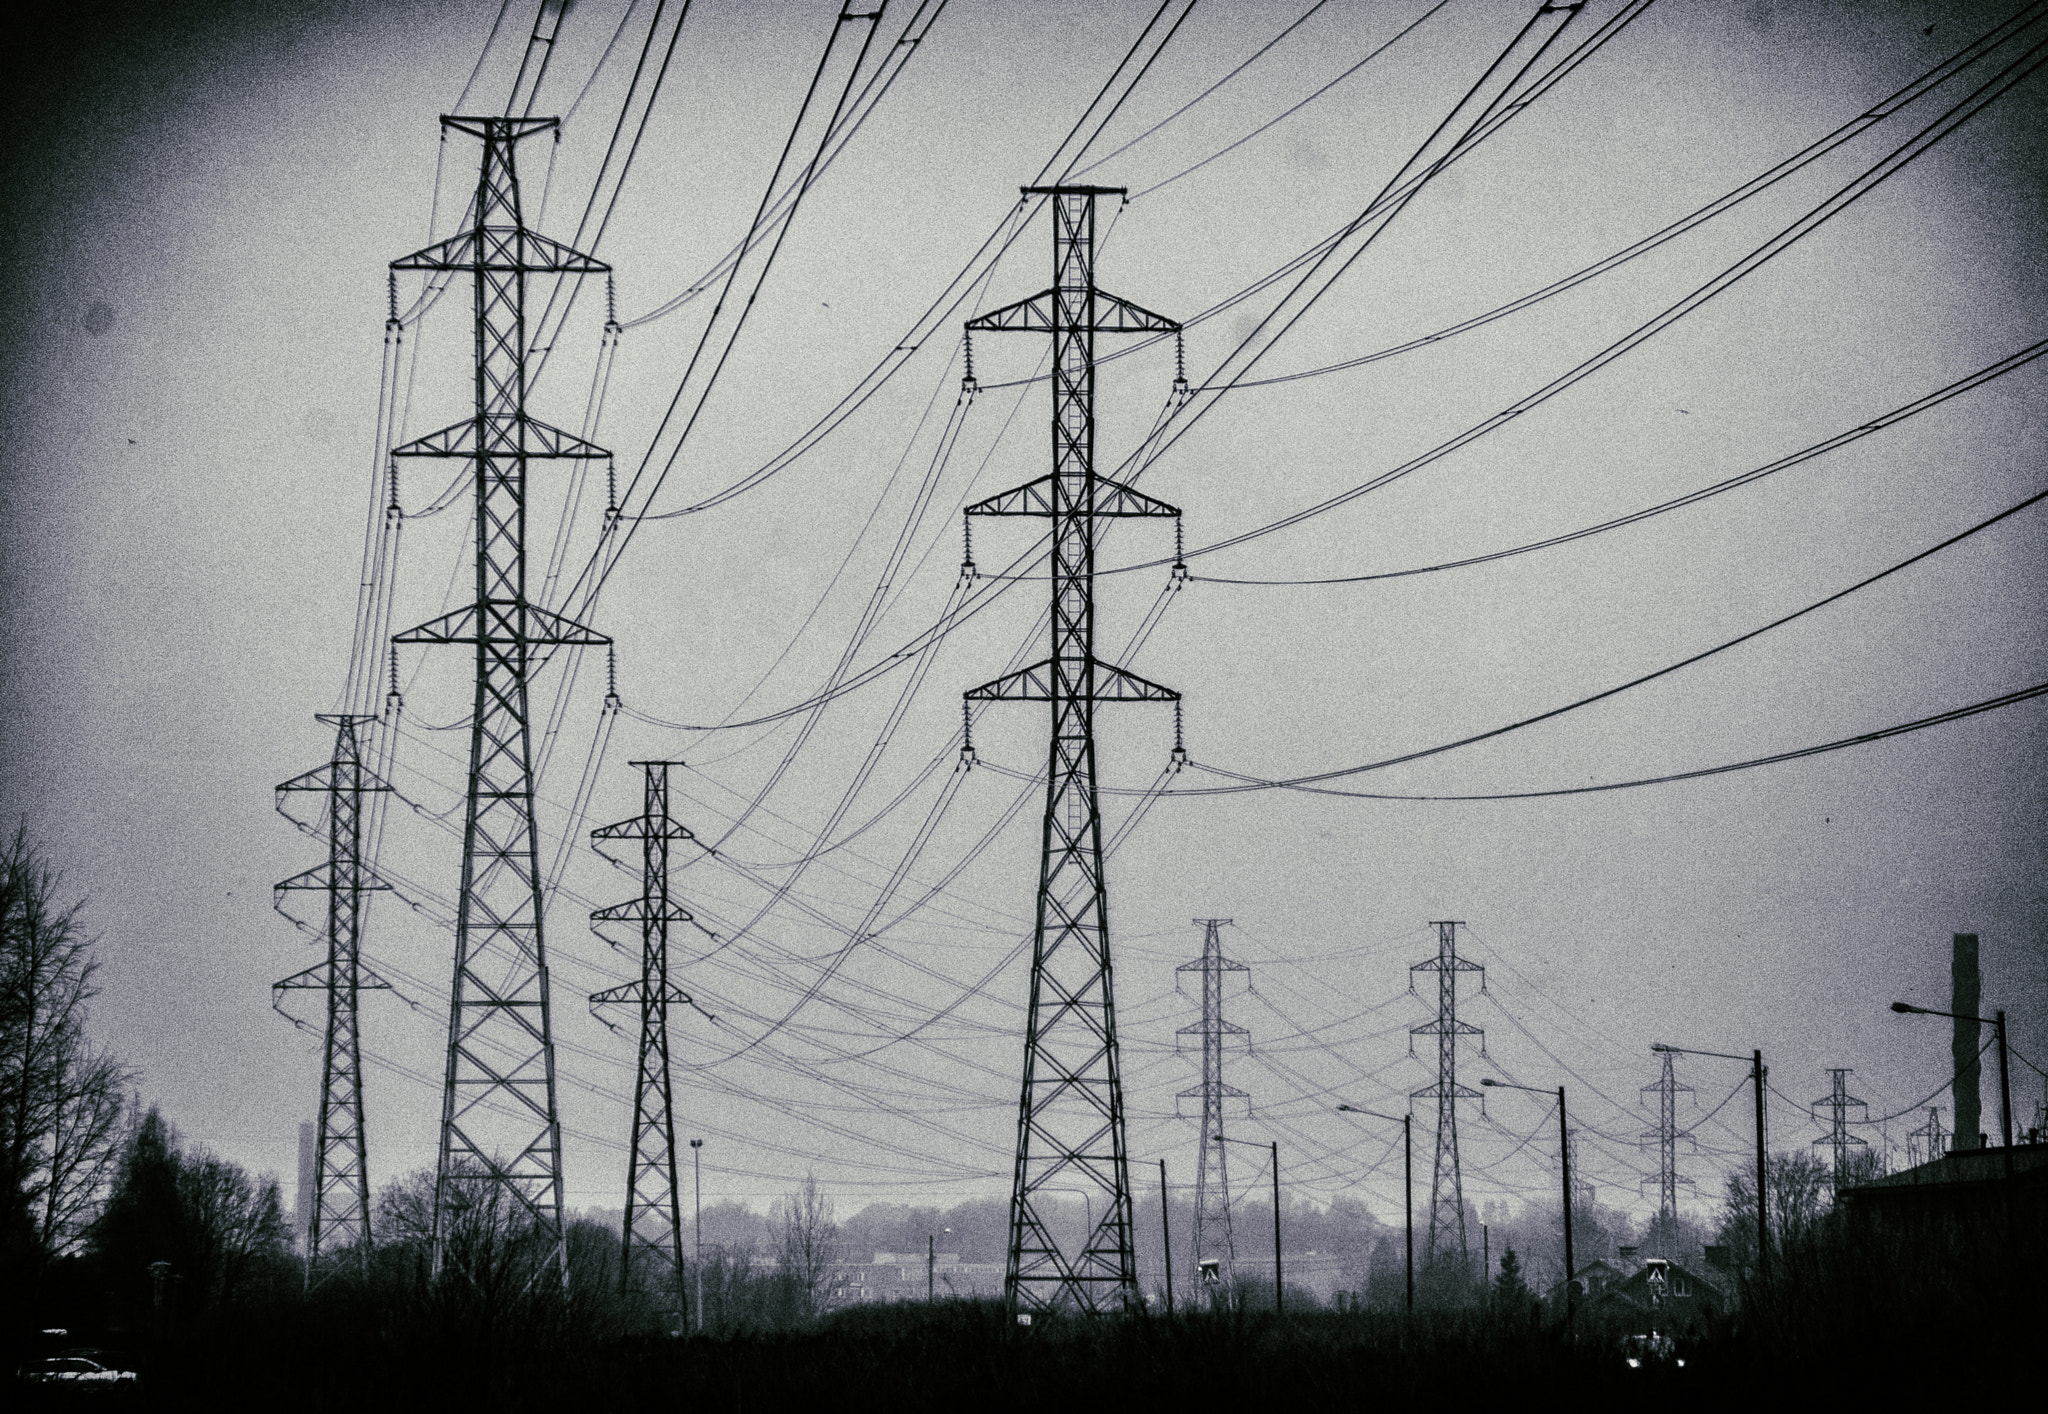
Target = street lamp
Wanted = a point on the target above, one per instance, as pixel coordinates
(931, 1261)
(1407, 1185)
(2004, 1085)
(1279, 1299)
(1757, 1074)
(1564, 1154)
(697, 1187)
(1166, 1234)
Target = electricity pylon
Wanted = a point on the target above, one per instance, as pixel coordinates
(1666, 1134)
(1924, 1145)
(1212, 1171)
(498, 1116)
(1839, 1100)
(340, 1214)
(1582, 1187)
(1447, 1182)
(653, 1225)
(1070, 1114)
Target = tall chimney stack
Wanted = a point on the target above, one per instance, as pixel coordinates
(1965, 1000)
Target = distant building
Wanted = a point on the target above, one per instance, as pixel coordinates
(1663, 1295)
(1597, 1275)
(901, 1276)
(1964, 1188)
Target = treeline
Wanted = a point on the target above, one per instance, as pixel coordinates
(63, 1116)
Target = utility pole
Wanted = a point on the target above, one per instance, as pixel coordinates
(1666, 1134)
(697, 1193)
(1070, 1113)
(1212, 1172)
(340, 1210)
(1407, 1123)
(499, 1121)
(1166, 1234)
(1838, 1137)
(1564, 1161)
(1447, 1184)
(653, 1222)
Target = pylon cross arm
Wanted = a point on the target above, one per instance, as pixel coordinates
(1035, 684)
(515, 434)
(1035, 315)
(512, 251)
(641, 827)
(1108, 498)
(524, 623)
(322, 778)
(321, 876)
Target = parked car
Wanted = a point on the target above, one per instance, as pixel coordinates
(1651, 1349)
(77, 1372)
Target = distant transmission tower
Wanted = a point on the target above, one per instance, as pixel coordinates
(1070, 1114)
(1447, 1183)
(1212, 1172)
(498, 1115)
(1924, 1145)
(1582, 1187)
(340, 1210)
(1838, 1137)
(653, 1226)
(1666, 1134)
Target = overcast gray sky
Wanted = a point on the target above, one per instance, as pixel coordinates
(203, 208)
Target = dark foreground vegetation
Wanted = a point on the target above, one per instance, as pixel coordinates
(1880, 1316)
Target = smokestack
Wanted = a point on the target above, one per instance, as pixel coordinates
(309, 1165)
(1965, 999)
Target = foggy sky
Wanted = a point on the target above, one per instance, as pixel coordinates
(203, 202)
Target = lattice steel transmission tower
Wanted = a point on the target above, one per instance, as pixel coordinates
(498, 1116)
(1447, 1182)
(1839, 1102)
(653, 1224)
(1212, 1170)
(1923, 1145)
(1582, 1187)
(1668, 1179)
(1070, 1115)
(340, 1216)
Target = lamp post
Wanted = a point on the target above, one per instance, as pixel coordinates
(1407, 1185)
(2004, 1085)
(1279, 1297)
(1757, 1074)
(697, 1194)
(931, 1261)
(1166, 1233)
(1564, 1154)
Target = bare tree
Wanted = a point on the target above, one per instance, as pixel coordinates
(84, 1151)
(60, 1099)
(808, 1243)
(1797, 1194)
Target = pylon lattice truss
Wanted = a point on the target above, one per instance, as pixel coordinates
(1923, 1145)
(1840, 1141)
(652, 1229)
(499, 1121)
(340, 1216)
(1447, 1181)
(1668, 1179)
(1070, 1114)
(1213, 1237)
